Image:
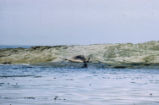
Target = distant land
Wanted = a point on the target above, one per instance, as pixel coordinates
(127, 55)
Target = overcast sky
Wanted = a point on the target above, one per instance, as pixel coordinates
(52, 22)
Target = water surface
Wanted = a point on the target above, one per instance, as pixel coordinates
(33, 85)
(14, 46)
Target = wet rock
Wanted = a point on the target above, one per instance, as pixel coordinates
(120, 67)
(6, 63)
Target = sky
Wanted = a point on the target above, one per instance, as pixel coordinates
(82, 22)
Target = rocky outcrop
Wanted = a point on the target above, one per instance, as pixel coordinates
(105, 55)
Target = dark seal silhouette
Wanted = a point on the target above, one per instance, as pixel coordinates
(83, 59)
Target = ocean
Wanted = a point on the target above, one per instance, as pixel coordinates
(14, 46)
(37, 85)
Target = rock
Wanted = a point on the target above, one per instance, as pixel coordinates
(6, 63)
(105, 55)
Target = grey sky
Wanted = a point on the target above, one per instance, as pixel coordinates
(50, 22)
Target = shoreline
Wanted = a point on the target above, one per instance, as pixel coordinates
(141, 55)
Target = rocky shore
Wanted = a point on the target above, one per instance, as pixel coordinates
(128, 55)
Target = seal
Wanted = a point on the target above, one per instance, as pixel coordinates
(80, 59)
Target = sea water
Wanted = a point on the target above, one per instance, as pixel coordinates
(35, 85)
